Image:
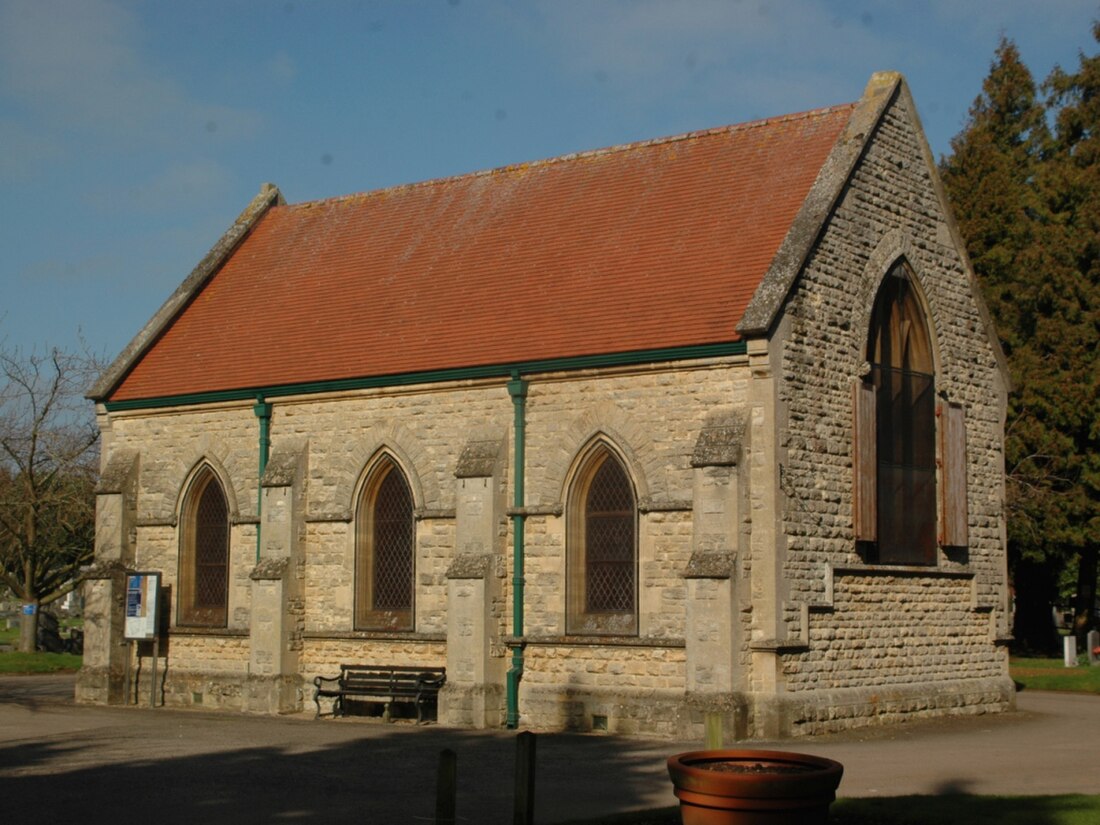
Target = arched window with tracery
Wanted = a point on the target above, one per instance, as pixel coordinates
(603, 548)
(385, 551)
(204, 553)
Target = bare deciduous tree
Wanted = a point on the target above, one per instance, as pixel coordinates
(48, 470)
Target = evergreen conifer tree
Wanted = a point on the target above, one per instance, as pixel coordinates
(1023, 196)
(1070, 184)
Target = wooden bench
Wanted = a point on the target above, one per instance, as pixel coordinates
(384, 683)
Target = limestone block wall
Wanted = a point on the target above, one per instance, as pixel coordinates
(924, 630)
(651, 415)
(158, 550)
(622, 689)
(329, 584)
(322, 656)
(605, 668)
(653, 418)
(202, 669)
(329, 591)
(664, 548)
(879, 623)
(423, 431)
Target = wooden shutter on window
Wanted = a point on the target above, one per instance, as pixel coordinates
(864, 463)
(953, 510)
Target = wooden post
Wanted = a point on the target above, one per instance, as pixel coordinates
(713, 727)
(153, 680)
(525, 779)
(446, 787)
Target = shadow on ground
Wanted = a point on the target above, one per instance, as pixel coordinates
(387, 776)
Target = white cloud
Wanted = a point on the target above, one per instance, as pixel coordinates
(77, 67)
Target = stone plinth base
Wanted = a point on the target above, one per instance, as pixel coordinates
(623, 711)
(100, 686)
(757, 716)
(274, 694)
(215, 691)
(828, 711)
(472, 706)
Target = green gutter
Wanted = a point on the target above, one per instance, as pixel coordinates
(517, 388)
(262, 409)
(580, 362)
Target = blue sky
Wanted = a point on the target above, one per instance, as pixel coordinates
(132, 133)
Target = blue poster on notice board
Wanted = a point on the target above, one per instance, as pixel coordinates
(142, 605)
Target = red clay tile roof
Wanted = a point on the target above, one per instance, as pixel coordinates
(644, 246)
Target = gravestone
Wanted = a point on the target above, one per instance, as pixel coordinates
(1093, 645)
(1069, 650)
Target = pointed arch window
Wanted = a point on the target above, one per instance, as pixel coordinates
(204, 554)
(385, 551)
(896, 450)
(603, 549)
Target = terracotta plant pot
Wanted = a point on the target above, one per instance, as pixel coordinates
(749, 787)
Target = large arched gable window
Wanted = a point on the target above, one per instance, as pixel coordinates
(602, 557)
(385, 551)
(204, 553)
(896, 437)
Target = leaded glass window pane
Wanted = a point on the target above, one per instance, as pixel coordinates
(211, 545)
(393, 545)
(609, 541)
(204, 554)
(385, 551)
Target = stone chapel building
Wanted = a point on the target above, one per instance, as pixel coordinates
(709, 424)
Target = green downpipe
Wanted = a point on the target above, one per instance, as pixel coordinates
(517, 388)
(262, 409)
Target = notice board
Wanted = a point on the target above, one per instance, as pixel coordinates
(142, 605)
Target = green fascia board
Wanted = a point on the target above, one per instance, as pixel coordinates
(580, 362)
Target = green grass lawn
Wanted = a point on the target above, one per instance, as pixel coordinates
(957, 809)
(1052, 674)
(15, 662)
(1072, 809)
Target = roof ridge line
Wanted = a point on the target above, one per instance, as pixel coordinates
(587, 153)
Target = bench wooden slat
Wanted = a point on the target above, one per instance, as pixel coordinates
(386, 683)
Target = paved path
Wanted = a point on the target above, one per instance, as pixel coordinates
(63, 762)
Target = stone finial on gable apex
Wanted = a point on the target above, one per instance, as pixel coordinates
(882, 83)
(269, 190)
(803, 232)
